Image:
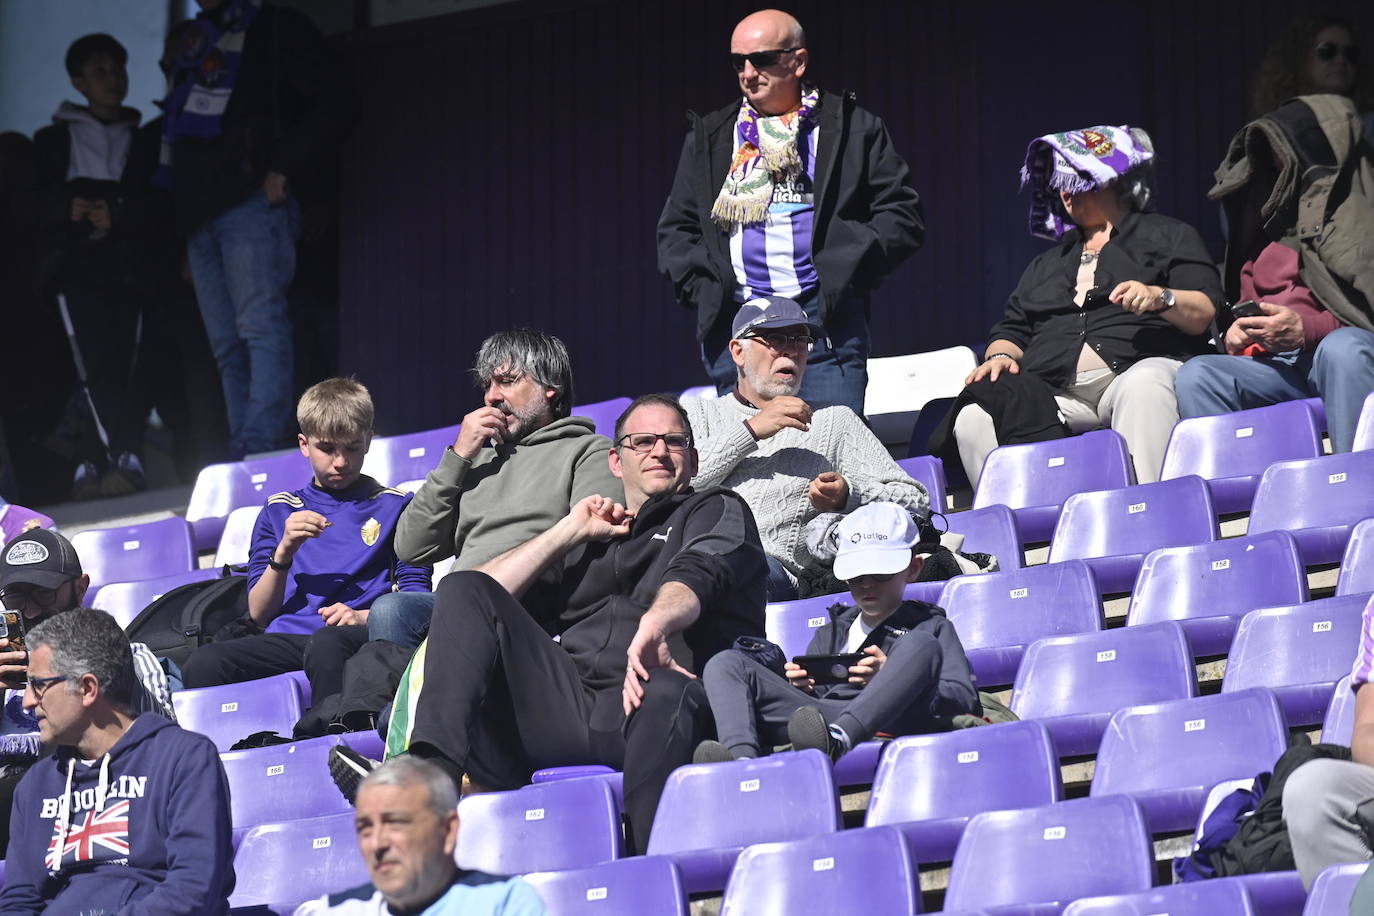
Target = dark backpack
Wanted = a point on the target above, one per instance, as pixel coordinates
(190, 616)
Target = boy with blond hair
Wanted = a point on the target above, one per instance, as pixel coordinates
(321, 555)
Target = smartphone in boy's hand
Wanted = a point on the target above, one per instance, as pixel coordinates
(14, 656)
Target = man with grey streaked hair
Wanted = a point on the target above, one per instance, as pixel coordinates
(519, 463)
(407, 822)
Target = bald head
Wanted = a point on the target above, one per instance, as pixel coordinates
(775, 88)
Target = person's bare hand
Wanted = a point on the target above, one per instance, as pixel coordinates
(828, 492)
(992, 368)
(1279, 329)
(80, 208)
(274, 186)
(14, 664)
(341, 615)
(1236, 340)
(868, 666)
(99, 215)
(300, 527)
(482, 424)
(598, 518)
(648, 650)
(781, 413)
(1137, 298)
(797, 677)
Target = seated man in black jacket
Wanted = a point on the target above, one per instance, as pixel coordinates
(910, 674)
(651, 589)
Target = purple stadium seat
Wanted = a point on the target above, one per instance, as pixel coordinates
(231, 712)
(282, 782)
(1034, 479)
(1207, 588)
(1231, 451)
(366, 742)
(1299, 652)
(1364, 428)
(1113, 530)
(625, 887)
(1357, 564)
(1167, 755)
(124, 600)
(236, 538)
(150, 550)
(1073, 684)
(612, 778)
(928, 786)
(698, 391)
(1196, 898)
(395, 459)
(603, 414)
(222, 488)
(928, 471)
(1333, 888)
(792, 624)
(1339, 722)
(1318, 409)
(998, 614)
(825, 874)
(304, 683)
(858, 766)
(1318, 499)
(992, 529)
(283, 864)
(928, 592)
(568, 823)
(15, 520)
(709, 812)
(1052, 854)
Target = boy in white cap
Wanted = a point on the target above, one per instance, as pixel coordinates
(912, 675)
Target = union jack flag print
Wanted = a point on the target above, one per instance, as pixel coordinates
(106, 830)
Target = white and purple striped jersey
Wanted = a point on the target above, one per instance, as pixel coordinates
(773, 258)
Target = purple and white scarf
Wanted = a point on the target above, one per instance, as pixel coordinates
(767, 152)
(203, 76)
(1077, 161)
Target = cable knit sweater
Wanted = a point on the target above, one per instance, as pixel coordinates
(773, 475)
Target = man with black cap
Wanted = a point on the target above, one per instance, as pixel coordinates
(789, 459)
(41, 577)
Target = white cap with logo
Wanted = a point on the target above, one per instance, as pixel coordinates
(875, 539)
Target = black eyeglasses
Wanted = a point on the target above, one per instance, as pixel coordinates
(761, 60)
(778, 342)
(1328, 50)
(40, 685)
(644, 442)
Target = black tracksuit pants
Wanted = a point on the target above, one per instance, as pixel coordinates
(501, 699)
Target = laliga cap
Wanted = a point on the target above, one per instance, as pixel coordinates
(39, 557)
(875, 539)
(772, 312)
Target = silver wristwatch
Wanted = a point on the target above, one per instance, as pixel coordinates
(1167, 297)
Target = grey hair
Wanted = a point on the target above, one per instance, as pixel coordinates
(85, 641)
(541, 355)
(409, 770)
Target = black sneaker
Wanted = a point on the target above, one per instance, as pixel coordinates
(86, 482)
(124, 477)
(347, 768)
(712, 752)
(807, 728)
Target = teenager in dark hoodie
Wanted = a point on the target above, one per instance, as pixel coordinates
(128, 814)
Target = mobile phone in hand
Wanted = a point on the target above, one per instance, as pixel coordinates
(12, 629)
(1247, 309)
(828, 669)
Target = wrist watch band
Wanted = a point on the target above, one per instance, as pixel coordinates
(1167, 297)
(279, 567)
(992, 356)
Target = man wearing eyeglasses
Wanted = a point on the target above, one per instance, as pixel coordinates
(789, 191)
(651, 589)
(790, 458)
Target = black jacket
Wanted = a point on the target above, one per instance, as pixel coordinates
(868, 215)
(1043, 320)
(957, 695)
(287, 112)
(706, 540)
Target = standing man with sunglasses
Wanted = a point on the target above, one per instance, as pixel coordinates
(790, 458)
(651, 589)
(790, 191)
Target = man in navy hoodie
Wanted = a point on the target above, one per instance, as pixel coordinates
(128, 814)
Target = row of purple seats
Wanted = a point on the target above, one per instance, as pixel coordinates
(282, 864)
(148, 550)
(125, 600)
(231, 712)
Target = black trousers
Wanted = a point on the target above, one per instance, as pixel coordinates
(501, 699)
(322, 654)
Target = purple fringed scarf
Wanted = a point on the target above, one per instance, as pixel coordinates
(1076, 161)
(203, 78)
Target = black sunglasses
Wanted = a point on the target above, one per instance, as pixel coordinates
(1328, 50)
(760, 59)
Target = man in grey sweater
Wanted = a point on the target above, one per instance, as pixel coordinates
(789, 459)
(482, 501)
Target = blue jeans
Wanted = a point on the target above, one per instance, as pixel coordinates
(780, 587)
(836, 371)
(242, 262)
(1340, 370)
(401, 617)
